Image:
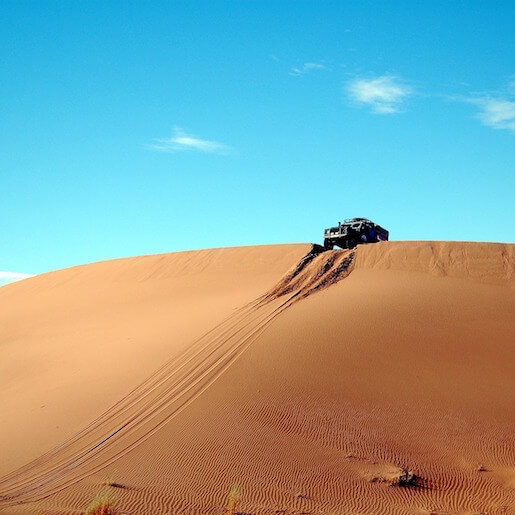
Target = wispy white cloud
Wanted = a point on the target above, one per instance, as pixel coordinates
(498, 113)
(384, 94)
(181, 141)
(9, 277)
(306, 67)
(496, 109)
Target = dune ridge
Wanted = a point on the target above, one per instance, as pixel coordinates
(491, 263)
(318, 403)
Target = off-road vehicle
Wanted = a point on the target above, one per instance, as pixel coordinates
(353, 231)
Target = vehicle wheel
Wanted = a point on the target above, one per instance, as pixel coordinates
(328, 245)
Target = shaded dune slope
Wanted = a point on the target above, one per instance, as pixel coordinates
(318, 406)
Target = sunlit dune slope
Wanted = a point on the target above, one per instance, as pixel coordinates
(73, 342)
(331, 384)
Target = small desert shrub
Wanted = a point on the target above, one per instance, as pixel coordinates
(110, 482)
(234, 498)
(102, 504)
(406, 478)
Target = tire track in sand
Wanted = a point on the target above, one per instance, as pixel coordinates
(153, 403)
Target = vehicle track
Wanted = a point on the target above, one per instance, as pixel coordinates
(152, 404)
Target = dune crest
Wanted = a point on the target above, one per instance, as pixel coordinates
(492, 263)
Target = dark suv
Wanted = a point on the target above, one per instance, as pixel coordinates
(351, 232)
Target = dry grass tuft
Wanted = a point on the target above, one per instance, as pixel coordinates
(400, 477)
(234, 499)
(108, 481)
(102, 504)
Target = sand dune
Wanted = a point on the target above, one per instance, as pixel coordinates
(74, 342)
(378, 380)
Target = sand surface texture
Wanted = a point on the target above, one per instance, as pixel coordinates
(378, 380)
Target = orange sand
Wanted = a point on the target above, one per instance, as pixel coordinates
(315, 384)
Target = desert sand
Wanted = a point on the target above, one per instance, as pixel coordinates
(378, 380)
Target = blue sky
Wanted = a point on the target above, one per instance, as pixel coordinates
(133, 128)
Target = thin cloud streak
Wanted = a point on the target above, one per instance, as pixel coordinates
(498, 113)
(180, 141)
(307, 67)
(384, 95)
